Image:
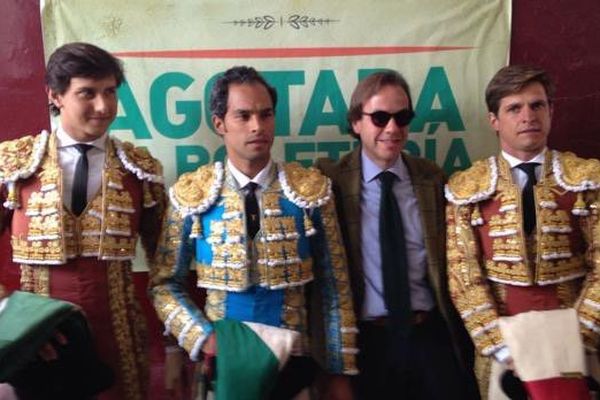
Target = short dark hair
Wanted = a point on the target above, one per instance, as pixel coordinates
(368, 88)
(78, 59)
(512, 79)
(219, 95)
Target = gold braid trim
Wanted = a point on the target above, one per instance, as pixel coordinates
(131, 375)
(20, 158)
(35, 279)
(342, 286)
(474, 184)
(574, 173)
(305, 187)
(468, 286)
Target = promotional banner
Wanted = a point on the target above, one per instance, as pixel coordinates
(312, 52)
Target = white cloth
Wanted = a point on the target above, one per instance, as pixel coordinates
(544, 344)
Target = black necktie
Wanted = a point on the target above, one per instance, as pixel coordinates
(79, 195)
(251, 205)
(527, 196)
(394, 265)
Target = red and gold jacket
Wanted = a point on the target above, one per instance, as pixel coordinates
(44, 232)
(494, 269)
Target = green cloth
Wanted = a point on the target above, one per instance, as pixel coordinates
(247, 367)
(26, 323)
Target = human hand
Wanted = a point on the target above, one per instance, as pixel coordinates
(209, 348)
(48, 350)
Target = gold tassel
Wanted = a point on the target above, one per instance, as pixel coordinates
(476, 218)
(579, 208)
(12, 200)
(196, 227)
(309, 229)
(148, 199)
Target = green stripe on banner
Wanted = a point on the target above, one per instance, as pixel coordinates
(246, 367)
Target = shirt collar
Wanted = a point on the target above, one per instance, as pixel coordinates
(370, 170)
(514, 161)
(64, 140)
(262, 178)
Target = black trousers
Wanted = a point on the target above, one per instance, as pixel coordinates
(431, 373)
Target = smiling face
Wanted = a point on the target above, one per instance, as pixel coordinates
(383, 145)
(523, 122)
(87, 107)
(248, 127)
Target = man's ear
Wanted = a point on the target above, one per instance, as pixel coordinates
(54, 97)
(493, 120)
(219, 125)
(357, 126)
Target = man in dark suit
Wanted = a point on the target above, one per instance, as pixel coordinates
(391, 209)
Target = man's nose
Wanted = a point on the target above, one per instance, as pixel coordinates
(101, 103)
(256, 123)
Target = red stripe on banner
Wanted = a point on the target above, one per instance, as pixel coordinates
(299, 52)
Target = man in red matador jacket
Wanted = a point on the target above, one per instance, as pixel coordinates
(76, 200)
(524, 239)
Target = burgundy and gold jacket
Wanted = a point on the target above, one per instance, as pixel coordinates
(494, 269)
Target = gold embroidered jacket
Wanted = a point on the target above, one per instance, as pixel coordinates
(488, 252)
(46, 233)
(264, 280)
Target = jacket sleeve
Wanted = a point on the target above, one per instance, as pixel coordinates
(332, 284)
(468, 286)
(181, 316)
(152, 216)
(588, 306)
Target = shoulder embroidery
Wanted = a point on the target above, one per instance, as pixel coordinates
(574, 173)
(305, 187)
(475, 184)
(138, 161)
(20, 158)
(195, 192)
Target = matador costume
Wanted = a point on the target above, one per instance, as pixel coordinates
(295, 265)
(495, 269)
(87, 259)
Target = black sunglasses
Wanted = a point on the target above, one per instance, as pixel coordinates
(381, 118)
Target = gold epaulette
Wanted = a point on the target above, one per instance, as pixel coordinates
(475, 184)
(139, 161)
(574, 173)
(194, 192)
(20, 158)
(305, 187)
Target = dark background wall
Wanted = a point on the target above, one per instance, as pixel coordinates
(559, 35)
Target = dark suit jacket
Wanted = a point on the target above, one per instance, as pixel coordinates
(428, 183)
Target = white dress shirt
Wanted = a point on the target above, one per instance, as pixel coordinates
(68, 156)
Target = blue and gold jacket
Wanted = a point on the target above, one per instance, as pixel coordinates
(295, 262)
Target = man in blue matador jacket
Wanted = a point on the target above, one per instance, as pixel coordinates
(266, 245)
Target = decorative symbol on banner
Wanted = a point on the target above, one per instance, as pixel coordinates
(294, 21)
